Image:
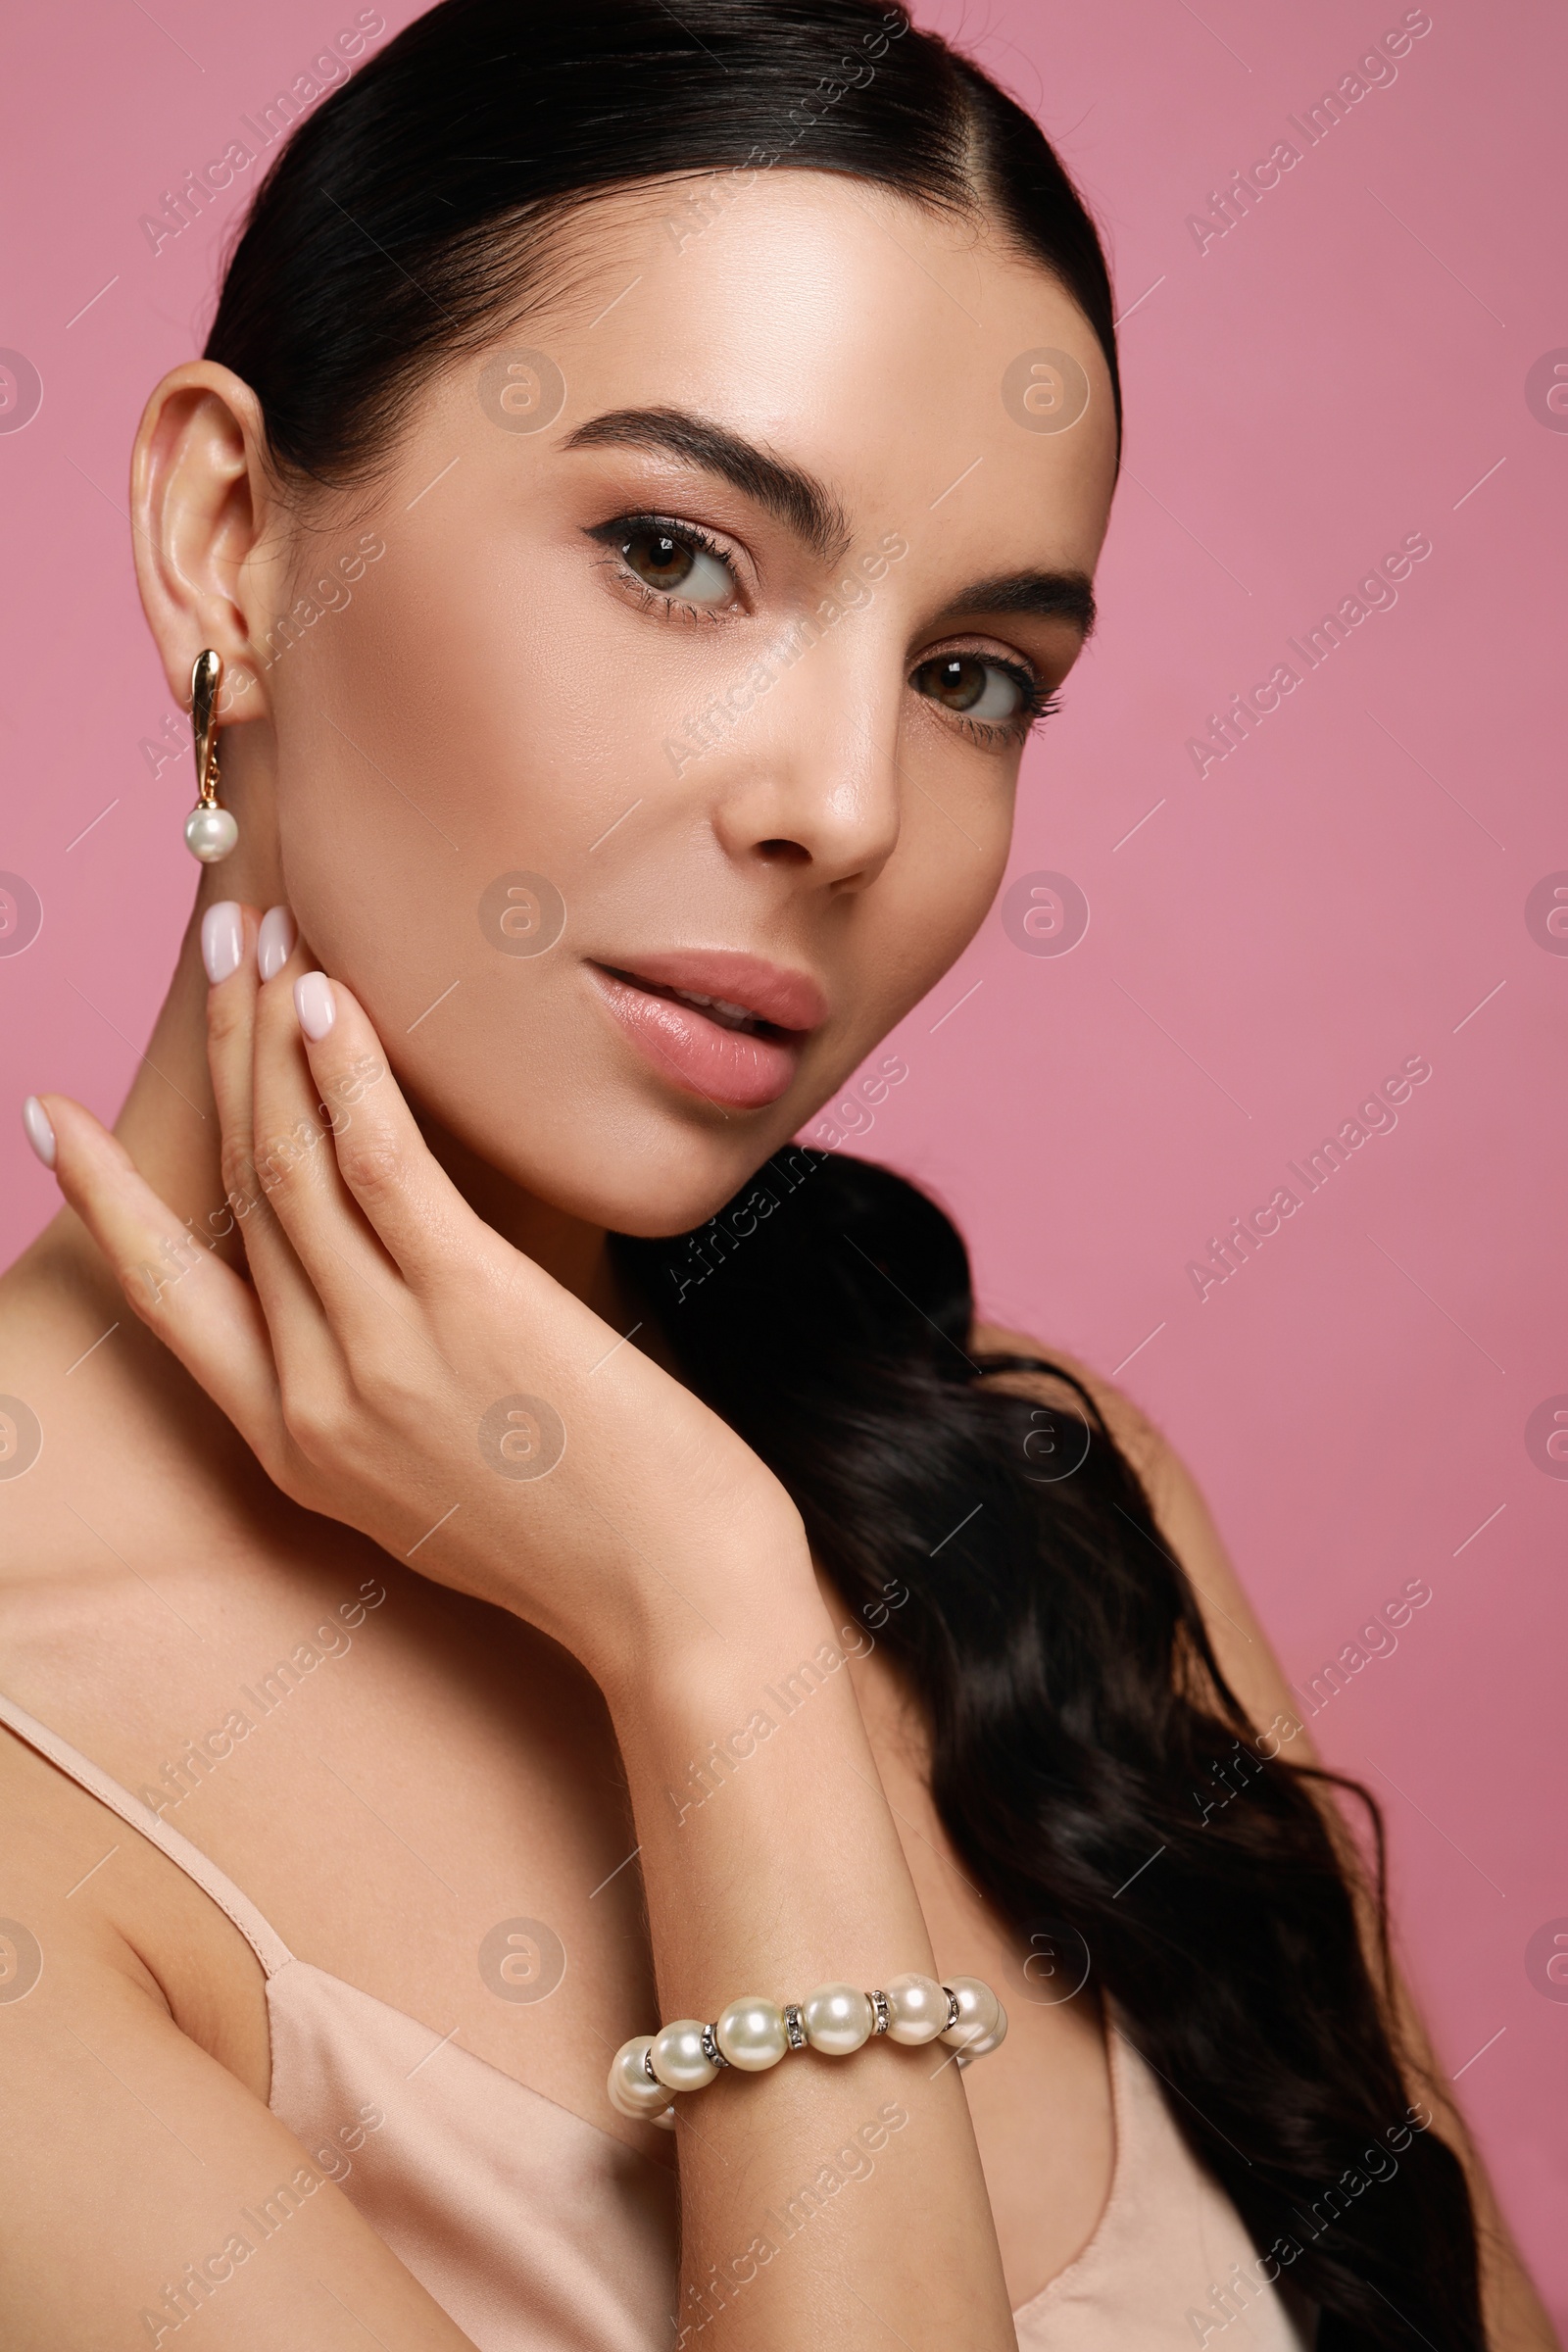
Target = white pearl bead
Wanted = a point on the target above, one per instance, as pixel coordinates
(917, 2009)
(978, 2012)
(838, 2019)
(630, 2091)
(678, 2056)
(988, 2041)
(210, 834)
(752, 2034)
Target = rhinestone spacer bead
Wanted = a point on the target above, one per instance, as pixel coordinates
(879, 2003)
(954, 2011)
(795, 2025)
(711, 2048)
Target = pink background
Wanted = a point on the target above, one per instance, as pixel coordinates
(1345, 365)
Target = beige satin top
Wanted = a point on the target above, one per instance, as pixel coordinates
(538, 2231)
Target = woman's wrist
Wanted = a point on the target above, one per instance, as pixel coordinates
(701, 1641)
(683, 1618)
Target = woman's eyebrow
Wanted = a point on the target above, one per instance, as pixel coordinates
(796, 498)
(1045, 595)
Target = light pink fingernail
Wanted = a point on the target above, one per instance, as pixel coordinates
(223, 940)
(276, 942)
(38, 1130)
(312, 1001)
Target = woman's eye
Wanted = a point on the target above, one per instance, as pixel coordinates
(972, 686)
(675, 565)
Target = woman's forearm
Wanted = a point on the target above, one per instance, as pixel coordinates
(772, 1865)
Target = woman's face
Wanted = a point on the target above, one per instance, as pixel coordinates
(710, 615)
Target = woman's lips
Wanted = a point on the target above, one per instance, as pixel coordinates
(742, 1053)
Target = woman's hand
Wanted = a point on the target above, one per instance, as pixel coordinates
(395, 1364)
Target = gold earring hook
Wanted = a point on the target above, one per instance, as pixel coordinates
(210, 832)
(205, 677)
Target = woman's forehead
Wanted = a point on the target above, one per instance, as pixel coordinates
(900, 358)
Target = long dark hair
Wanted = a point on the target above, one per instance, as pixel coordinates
(1093, 1765)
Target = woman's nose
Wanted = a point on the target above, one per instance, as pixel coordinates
(808, 774)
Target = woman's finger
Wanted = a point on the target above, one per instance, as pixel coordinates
(408, 1198)
(295, 1164)
(200, 1308)
(235, 942)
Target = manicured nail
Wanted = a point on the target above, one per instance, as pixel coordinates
(39, 1134)
(276, 942)
(223, 940)
(312, 1001)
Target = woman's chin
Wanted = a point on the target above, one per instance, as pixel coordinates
(652, 1211)
(643, 1173)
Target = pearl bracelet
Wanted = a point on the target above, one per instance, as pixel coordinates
(752, 2034)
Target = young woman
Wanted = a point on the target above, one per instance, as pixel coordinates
(516, 1556)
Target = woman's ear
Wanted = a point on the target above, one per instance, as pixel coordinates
(198, 505)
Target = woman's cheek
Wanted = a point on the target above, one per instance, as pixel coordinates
(953, 875)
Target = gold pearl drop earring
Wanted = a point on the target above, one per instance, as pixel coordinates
(210, 832)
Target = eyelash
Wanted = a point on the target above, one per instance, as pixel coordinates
(689, 534)
(1038, 703)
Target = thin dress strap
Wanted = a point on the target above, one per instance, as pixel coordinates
(268, 1945)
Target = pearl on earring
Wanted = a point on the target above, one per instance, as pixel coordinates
(210, 832)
